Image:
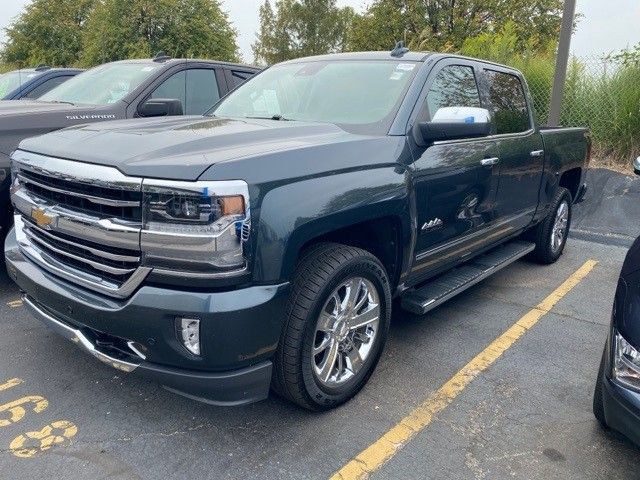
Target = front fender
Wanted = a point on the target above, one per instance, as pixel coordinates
(292, 215)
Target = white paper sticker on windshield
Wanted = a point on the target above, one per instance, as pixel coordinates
(407, 67)
(396, 75)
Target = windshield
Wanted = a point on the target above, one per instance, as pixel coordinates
(101, 85)
(360, 96)
(12, 80)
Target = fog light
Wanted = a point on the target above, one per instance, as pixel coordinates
(190, 334)
(626, 363)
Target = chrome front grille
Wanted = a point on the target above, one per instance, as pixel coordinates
(78, 221)
(100, 201)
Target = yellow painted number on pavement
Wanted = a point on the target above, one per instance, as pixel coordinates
(32, 443)
(17, 411)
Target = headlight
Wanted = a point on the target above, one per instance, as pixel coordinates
(626, 363)
(195, 227)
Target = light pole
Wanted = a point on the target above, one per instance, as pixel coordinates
(562, 60)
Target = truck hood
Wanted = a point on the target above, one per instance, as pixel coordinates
(25, 107)
(179, 148)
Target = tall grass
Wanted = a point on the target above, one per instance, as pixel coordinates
(608, 103)
(606, 100)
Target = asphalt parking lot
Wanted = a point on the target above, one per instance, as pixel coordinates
(526, 415)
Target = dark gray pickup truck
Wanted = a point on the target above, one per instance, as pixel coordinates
(262, 245)
(127, 89)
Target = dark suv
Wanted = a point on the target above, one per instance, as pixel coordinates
(616, 402)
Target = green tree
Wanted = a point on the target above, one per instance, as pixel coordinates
(444, 25)
(121, 29)
(47, 31)
(299, 28)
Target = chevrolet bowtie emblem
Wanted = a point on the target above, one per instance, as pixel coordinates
(42, 218)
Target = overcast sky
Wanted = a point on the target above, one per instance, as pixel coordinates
(606, 25)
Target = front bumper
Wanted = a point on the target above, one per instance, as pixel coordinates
(240, 330)
(622, 409)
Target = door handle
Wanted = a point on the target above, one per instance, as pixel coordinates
(487, 162)
(537, 153)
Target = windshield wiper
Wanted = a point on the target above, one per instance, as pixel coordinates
(60, 101)
(279, 118)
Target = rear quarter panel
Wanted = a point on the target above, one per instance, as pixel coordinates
(565, 149)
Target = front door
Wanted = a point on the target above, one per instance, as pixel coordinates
(520, 147)
(455, 181)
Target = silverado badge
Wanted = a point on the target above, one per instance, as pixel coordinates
(42, 218)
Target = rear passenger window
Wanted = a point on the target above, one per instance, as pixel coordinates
(454, 86)
(509, 102)
(240, 77)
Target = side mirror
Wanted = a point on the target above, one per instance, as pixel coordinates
(636, 166)
(160, 107)
(454, 123)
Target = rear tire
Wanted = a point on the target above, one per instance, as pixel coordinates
(335, 287)
(550, 235)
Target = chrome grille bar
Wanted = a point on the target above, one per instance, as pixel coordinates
(97, 265)
(94, 251)
(102, 231)
(91, 198)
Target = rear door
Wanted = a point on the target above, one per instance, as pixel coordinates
(454, 188)
(520, 147)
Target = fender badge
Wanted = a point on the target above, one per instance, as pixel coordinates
(431, 224)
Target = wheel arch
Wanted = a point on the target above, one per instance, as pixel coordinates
(369, 210)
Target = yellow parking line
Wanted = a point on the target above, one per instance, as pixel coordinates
(383, 449)
(14, 382)
(15, 303)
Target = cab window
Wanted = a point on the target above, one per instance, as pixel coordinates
(201, 91)
(173, 88)
(196, 88)
(454, 86)
(509, 102)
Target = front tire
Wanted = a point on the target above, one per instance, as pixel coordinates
(551, 234)
(336, 326)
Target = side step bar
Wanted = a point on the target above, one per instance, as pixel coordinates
(437, 291)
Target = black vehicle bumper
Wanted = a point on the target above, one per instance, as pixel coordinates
(239, 331)
(622, 409)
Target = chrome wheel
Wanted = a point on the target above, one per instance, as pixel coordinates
(559, 230)
(345, 331)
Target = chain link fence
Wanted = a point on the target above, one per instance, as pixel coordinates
(599, 94)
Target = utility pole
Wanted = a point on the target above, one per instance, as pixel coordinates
(562, 60)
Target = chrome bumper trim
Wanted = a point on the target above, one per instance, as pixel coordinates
(77, 337)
